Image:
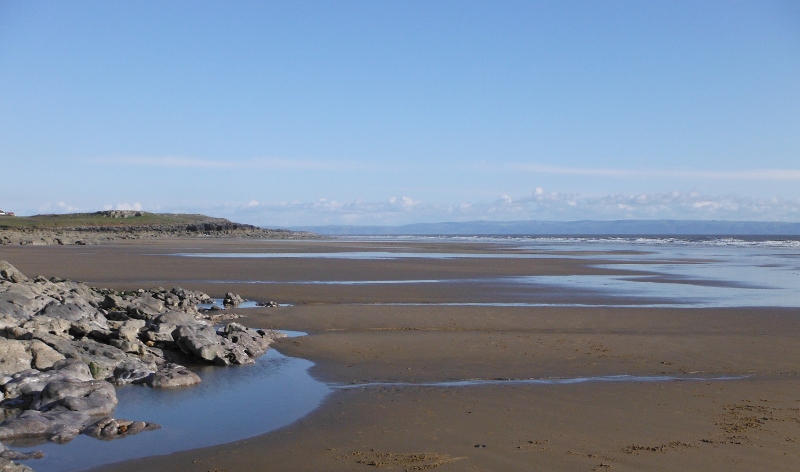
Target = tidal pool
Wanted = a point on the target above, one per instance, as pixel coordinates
(231, 403)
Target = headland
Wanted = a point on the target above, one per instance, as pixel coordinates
(103, 226)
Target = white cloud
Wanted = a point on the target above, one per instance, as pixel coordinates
(59, 207)
(540, 204)
(750, 174)
(124, 206)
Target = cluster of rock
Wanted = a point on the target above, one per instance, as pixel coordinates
(65, 345)
(96, 234)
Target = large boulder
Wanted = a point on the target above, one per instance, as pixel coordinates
(173, 375)
(201, 341)
(29, 383)
(133, 372)
(254, 342)
(94, 397)
(145, 307)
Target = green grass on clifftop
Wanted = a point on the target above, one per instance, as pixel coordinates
(101, 219)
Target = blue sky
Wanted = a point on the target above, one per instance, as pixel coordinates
(357, 112)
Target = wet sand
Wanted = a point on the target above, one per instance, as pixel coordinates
(747, 424)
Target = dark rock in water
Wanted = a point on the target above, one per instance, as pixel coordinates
(110, 428)
(57, 426)
(232, 299)
(253, 342)
(12, 455)
(202, 342)
(270, 304)
(173, 375)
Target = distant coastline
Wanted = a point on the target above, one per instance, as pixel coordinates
(104, 226)
(572, 228)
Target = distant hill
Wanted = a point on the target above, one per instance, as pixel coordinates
(102, 226)
(110, 218)
(587, 227)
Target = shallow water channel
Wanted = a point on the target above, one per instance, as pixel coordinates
(231, 403)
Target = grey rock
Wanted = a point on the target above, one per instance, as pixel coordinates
(104, 357)
(10, 273)
(203, 342)
(179, 318)
(132, 347)
(232, 299)
(129, 330)
(160, 333)
(14, 356)
(31, 382)
(44, 357)
(43, 325)
(94, 397)
(135, 372)
(7, 466)
(67, 311)
(110, 428)
(145, 307)
(173, 375)
(57, 426)
(20, 456)
(114, 302)
(22, 300)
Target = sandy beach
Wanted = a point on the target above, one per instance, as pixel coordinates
(407, 333)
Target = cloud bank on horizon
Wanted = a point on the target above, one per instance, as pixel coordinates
(301, 113)
(539, 205)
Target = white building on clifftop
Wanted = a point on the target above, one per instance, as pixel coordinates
(9, 213)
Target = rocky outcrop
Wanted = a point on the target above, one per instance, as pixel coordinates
(64, 346)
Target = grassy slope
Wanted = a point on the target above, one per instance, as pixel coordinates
(92, 219)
